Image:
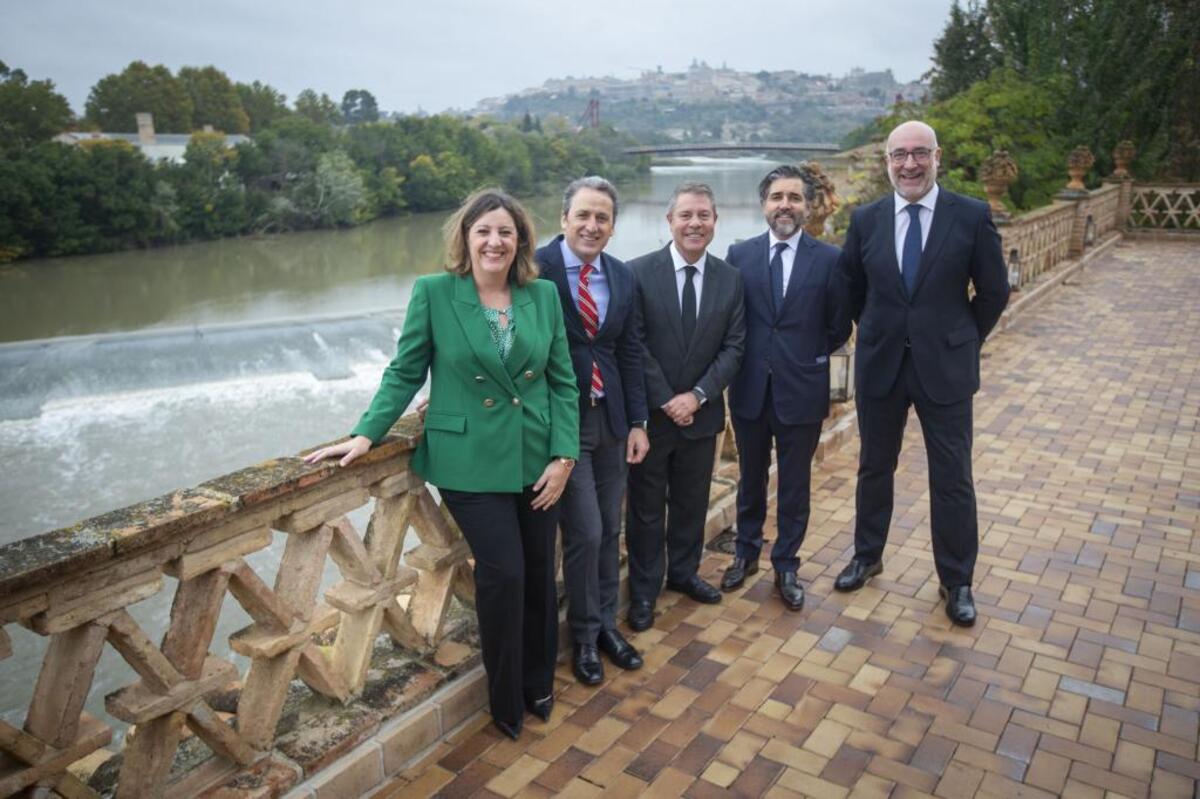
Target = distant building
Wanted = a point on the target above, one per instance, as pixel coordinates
(155, 146)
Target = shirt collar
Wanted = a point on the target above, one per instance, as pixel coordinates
(681, 262)
(573, 261)
(928, 201)
(793, 241)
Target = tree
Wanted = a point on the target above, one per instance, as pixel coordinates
(30, 111)
(215, 100)
(263, 104)
(963, 54)
(318, 108)
(336, 194)
(358, 106)
(115, 100)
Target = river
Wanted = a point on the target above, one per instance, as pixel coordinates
(127, 375)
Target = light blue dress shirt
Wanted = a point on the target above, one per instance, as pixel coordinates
(597, 281)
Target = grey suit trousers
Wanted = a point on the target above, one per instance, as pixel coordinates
(591, 526)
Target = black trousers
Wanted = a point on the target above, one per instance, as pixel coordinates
(515, 595)
(668, 501)
(795, 445)
(591, 525)
(948, 436)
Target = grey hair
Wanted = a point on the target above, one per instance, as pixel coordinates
(692, 187)
(784, 171)
(594, 182)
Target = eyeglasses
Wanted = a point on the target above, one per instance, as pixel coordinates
(920, 155)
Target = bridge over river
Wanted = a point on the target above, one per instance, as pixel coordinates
(732, 147)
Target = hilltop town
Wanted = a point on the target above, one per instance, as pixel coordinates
(705, 103)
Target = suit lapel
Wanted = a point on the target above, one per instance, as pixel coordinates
(525, 315)
(708, 301)
(943, 209)
(475, 329)
(757, 276)
(669, 292)
(556, 271)
(802, 269)
(615, 287)
(885, 240)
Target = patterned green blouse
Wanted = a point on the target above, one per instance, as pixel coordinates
(502, 337)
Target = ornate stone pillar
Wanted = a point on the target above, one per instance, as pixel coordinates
(996, 173)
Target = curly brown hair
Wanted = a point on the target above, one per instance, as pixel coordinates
(458, 257)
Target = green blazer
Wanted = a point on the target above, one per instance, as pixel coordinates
(490, 426)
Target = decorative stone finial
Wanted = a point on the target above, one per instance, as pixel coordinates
(996, 173)
(826, 201)
(1123, 155)
(1079, 161)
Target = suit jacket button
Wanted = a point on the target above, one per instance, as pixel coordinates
(489, 402)
(529, 374)
(516, 400)
(478, 378)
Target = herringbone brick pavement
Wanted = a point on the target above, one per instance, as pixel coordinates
(1082, 677)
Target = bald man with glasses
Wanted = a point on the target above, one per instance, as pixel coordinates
(909, 261)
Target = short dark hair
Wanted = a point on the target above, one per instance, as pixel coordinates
(458, 258)
(788, 171)
(692, 187)
(594, 182)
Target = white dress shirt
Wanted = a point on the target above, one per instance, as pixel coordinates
(927, 203)
(681, 276)
(788, 256)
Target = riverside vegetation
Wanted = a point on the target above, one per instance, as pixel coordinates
(312, 165)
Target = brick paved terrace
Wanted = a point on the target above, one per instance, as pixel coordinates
(1082, 677)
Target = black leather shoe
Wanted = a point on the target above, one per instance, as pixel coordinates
(790, 590)
(960, 605)
(640, 615)
(540, 707)
(736, 574)
(856, 574)
(619, 651)
(511, 730)
(586, 664)
(697, 589)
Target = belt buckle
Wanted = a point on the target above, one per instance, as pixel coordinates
(595, 401)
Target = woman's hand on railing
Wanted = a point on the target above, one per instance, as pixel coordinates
(350, 450)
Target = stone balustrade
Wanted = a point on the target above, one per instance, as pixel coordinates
(1165, 206)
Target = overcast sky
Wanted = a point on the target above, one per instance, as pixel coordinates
(443, 54)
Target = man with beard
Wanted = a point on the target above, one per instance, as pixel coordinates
(794, 319)
(909, 259)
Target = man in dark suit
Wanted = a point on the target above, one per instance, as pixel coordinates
(795, 318)
(909, 259)
(692, 310)
(599, 301)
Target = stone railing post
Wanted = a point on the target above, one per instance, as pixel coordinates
(996, 173)
(1079, 161)
(1123, 155)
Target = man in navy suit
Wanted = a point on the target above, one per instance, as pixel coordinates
(599, 301)
(795, 318)
(909, 259)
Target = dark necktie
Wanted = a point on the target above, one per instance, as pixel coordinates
(910, 263)
(590, 316)
(689, 303)
(777, 275)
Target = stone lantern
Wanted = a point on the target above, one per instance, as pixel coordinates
(997, 172)
(1079, 161)
(1123, 155)
(826, 201)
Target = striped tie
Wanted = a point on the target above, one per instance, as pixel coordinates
(590, 317)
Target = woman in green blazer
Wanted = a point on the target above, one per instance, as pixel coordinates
(501, 433)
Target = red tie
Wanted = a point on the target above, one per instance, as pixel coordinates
(591, 322)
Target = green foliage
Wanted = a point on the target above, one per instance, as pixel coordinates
(301, 170)
(215, 100)
(263, 104)
(30, 111)
(358, 106)
(317, 108)
(116, 99)
(964, 53)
